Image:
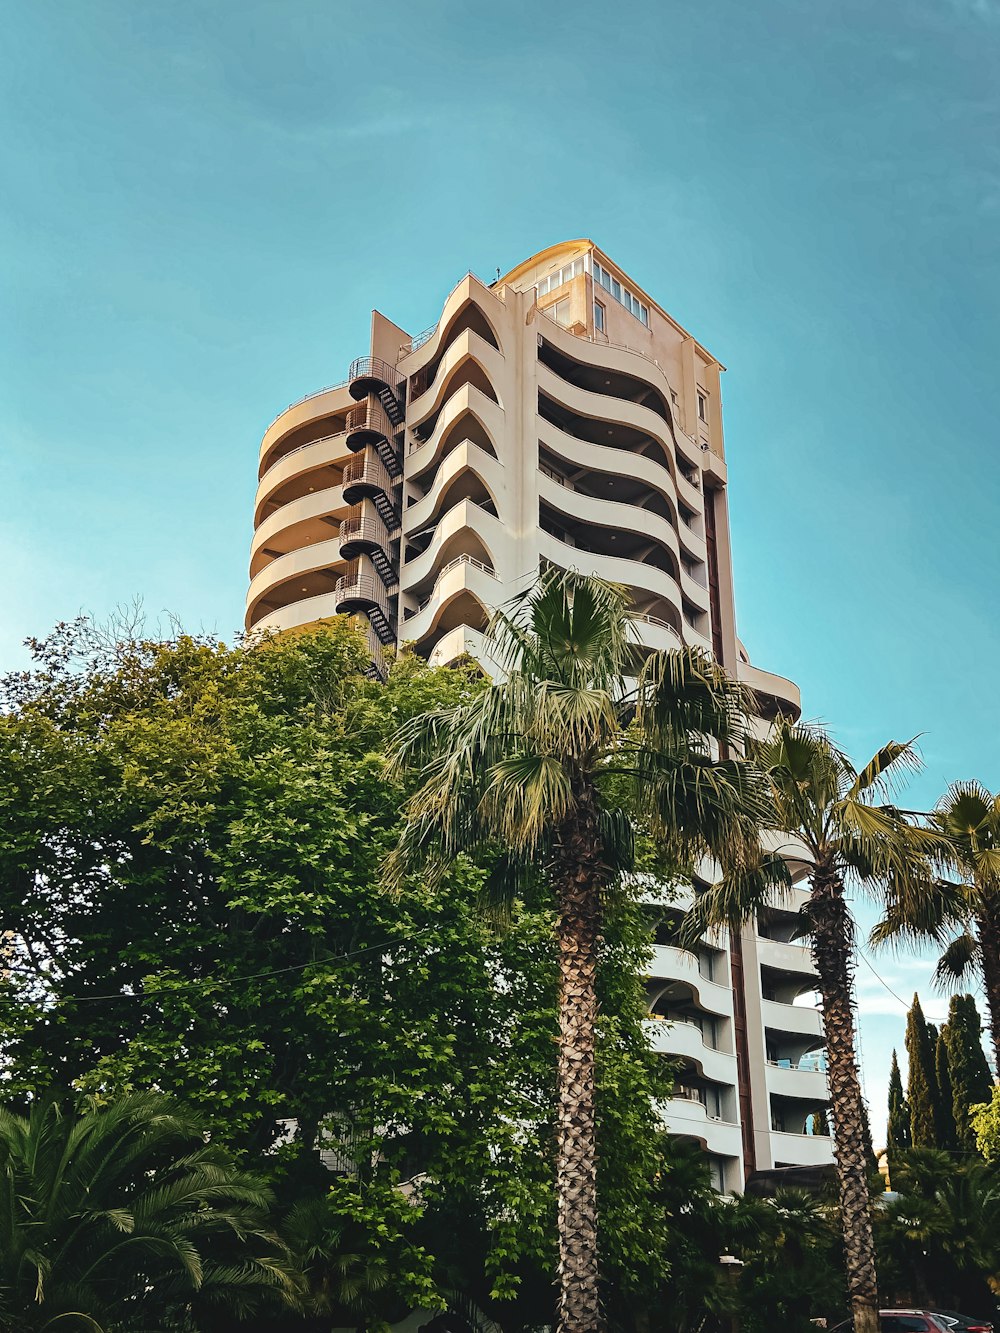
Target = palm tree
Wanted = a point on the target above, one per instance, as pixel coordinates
(122, 1216)
(547, 762)
(943, 1233)
(968, 818)
(853, 837)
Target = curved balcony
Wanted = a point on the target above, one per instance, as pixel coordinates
(466, 516)
(468, 346)
(658, 634)
(309, 559)
(332, 402)
(462, 641)
(801, 1019)
(775, 694)
(786, 956)
(801, 1149)
(616, 569)
(320, 456)
(300, 522)
(360, 589)
(672, 964)
(689, 1117)
(423, 350)
(461, 577)
(466, 456)
(795, 1081)
(601, 358)
(307, 611)
(676, 1037)
(467, 401)
(617, 518)
(599, 407)
(620, 462)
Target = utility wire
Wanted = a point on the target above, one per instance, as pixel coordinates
(878, 976)
(204, 982)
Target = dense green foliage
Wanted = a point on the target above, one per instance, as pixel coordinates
(986, 1127)
(898, 1125)
(190, 874)
(943, 1106)
(948, 1076)
(971, 1083)
(921, 1083)
(940, 1241)
(124, 1213)
(191, 839)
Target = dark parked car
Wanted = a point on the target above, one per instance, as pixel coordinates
(911, 1321)
(961, 1323)
(903, 1321)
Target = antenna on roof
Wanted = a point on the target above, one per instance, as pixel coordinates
(498, 275)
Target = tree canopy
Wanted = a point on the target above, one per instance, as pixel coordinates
(191, 845)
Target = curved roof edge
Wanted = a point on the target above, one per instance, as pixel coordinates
(550, 251)
(584, 243)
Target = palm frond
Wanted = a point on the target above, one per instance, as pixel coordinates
(886, 770)
(918, 909)
(961, 959)
(685, 698)
(526, 795)
(736, 898)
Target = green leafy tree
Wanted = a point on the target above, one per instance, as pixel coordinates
(898, 1125)
(191, 845)
(522, 766)
(971, 1084)
(854, 836)
(120, 1215)
(921, 1083)
(986, 1127)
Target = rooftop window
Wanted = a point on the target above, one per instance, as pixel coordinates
(621, 294)
(553, 280)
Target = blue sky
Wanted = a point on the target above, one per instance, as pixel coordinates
(201, 204)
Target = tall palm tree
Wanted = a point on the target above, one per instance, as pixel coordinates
(575, 733)
(854, 838)
(968, 818)
(121, 1216)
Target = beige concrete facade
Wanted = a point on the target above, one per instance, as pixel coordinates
(559, 416)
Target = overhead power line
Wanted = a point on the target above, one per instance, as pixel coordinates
(204, 983)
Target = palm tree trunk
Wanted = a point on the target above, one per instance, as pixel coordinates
(832, 949)
(579, 873)
(988, 923)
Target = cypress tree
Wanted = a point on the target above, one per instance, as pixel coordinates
(971, 1084)
(921, 1083)
(946, 1135)
(898, 1128)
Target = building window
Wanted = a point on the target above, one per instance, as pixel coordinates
(559, 311)
(621, 294)
(553, 280)
(702, 407)
(717, 1173)
(598, 316)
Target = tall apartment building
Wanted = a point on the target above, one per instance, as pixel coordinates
(556, 415)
